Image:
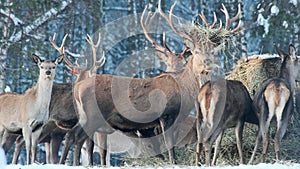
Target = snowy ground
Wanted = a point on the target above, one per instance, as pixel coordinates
(258, 166)
(52, 166)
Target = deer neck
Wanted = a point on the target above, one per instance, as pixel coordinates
(287, 73)
(43, 93)
(189, 80)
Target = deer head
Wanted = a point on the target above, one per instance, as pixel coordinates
(174, 62)
(203, 46)
(47, 68)
(75, 69)
(290, 66)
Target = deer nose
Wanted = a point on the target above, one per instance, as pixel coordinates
(48, 72)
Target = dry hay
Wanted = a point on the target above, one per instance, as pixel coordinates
(255, 70)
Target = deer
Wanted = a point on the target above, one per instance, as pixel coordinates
(174, 63)
(28, 112)
(222, 104)
(205, 122)
(62, 113)
(274, 102)
(104, 104)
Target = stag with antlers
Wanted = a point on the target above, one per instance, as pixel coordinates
(106, 102)
(274, 102)
(28, 112)
(215, 110)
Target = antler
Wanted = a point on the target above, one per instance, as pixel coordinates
(231, 20)
(157, 47)
(60, 49)
(171, 23)
(203, 18)
(100, 63)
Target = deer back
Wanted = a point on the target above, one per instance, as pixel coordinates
(229, 101)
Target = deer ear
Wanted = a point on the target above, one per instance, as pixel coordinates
(59, 59)
(280, 53)
(189, 44)
(36, 59)
(292, 52)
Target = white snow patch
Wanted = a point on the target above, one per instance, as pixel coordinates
(263, 56)
(274, 10)
(2, 158)
(285, 24)
(294, 2)
(258, 166)
(263, 22)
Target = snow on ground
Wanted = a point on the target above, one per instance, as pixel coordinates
(258, 166)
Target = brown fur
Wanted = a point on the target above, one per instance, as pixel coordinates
(273, 102)
(227, 103)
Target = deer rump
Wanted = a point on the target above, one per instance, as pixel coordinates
(128, 104)
(261, 105)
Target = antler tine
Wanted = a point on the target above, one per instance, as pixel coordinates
(170, 21)
(102, 60)
(165, 43)
(94, 49)
(227, 18)
(215, 21)
(157, 47)
(183, 52)
(237, 16)
(69, 64)
(203, 18)
(60, 49)
(161, 12)
(182, 34)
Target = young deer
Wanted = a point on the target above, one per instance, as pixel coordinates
(62, 113)
(29, 112)
(274, 102)
(222, 104)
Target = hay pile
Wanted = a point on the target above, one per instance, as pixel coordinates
(255, 70)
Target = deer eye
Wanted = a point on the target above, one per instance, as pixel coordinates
(42, 67)
(53, 67)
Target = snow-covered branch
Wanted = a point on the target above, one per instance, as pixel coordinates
(11, 16)
(39, 21)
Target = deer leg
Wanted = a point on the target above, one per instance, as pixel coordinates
(80, 137)
(54, 148)
(18, 147)
(102, 144)
(2, 130)
(77, 149)
(208, 144)
(27, 136)
(34, 142)
(169, 142)
(217, 148)
(239, 139)
(48, 154)
(265, 137)
(199, 133)
(282, 121)
(90, 149)
(258, 140)
(8, 140)
(69, 140)
(207, 150)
